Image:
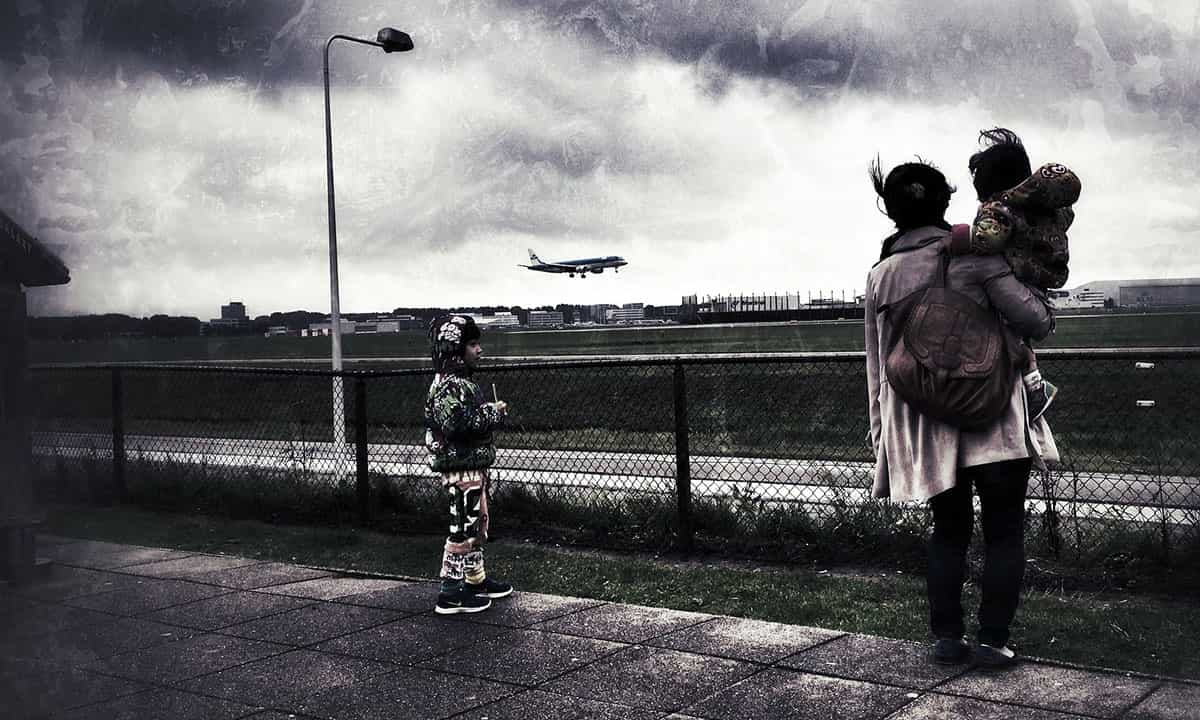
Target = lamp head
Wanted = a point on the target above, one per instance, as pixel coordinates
(394, 40)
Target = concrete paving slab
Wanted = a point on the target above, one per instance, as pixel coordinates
(524, 657)
(22, 618)
(408, 597)
(874, 659)
(280, 681)
(535, 705)
(84, 644)
(146, 595)
(37, 689)
(932, 706)
(1054, 688)
(655, 678)
(622, 623)
(777, 693)
(105, 556)
(406, 693)
(331, 588)
(63, 581)
(187, 567)
(1170, 701)
(87, 642)
(161, 705)
(192, 657)
(312, 623)
(261, 575)
(523, 609)
(224, 610)
(741, 639)
(410, 640)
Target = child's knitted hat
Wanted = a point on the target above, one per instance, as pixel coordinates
(448, 338)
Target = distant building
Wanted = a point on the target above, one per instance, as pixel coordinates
(233, 320)
(319, 329)
(234, 311)
(595, 313)
(1160, 293)
(625, 314)
(662, 312)
(544, 318)
(370, 326)
(500, 319)
(770, 307)
(1146, 293)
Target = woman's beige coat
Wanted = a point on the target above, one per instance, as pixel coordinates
(917, 457)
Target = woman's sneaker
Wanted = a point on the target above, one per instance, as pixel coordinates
(994, 657)
(460, 600)
(489, 588)
(950, 651)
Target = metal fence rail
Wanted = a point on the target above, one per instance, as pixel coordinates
(767, 432)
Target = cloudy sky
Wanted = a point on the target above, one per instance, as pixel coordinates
(172, 151)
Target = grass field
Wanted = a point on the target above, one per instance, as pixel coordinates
(780, 409)
(1092, 331)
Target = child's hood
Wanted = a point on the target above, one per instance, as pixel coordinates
(1051, 187)
(448, 338)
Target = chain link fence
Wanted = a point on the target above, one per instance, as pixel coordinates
(753, 453)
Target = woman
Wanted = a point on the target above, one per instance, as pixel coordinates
(919, 458)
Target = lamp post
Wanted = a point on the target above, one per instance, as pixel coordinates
(390, 40)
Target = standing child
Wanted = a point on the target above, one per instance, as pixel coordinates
(1024, 215)
(458, 435)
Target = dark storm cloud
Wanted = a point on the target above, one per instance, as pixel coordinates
(181, 39)
(1007, 53)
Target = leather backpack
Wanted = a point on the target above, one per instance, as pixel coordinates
(947, 355)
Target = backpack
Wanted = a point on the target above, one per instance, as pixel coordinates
(947, 356)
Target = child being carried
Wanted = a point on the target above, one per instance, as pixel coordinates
(1023, 215)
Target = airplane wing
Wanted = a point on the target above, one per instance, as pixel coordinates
(552, 267)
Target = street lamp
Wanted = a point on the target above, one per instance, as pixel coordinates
(391, 40)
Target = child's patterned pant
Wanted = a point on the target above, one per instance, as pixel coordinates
(462, 558)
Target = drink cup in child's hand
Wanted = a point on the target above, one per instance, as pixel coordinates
(501, 407)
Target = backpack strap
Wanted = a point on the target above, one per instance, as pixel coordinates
(941, 276)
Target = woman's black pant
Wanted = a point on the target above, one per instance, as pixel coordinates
(1001, 487)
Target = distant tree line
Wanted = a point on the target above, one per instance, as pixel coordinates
(115, 325)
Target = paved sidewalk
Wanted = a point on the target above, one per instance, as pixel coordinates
(121, 631)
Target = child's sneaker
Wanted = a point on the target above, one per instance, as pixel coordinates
(489, 588)
(1040, 399)
(461, 600)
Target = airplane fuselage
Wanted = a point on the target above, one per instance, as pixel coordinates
(580, 267)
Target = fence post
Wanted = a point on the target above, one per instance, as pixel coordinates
(360, 449)
(683, 468)
(118, 435)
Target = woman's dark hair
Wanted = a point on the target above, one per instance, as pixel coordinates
(914, 194)
(1003, 164)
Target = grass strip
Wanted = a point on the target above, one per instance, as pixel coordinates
(1126, 631)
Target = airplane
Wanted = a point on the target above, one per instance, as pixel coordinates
(573, 267)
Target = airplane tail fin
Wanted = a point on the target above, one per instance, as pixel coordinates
(533, 258)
